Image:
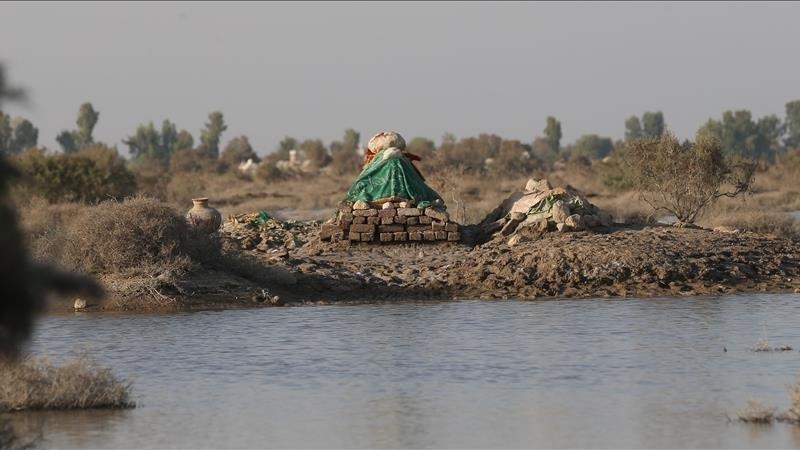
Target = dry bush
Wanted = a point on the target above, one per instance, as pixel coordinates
(755, 412)
(45, 226)
(116, 236)
(36, 384)
(684, 179)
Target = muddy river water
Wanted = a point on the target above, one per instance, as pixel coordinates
(610, 373)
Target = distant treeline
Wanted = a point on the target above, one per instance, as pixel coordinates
(87, 170)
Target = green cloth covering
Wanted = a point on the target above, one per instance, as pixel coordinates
(260, 219)
(394, 179)
(545, 204)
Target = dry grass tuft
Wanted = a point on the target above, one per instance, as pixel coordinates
(755, 412)
(36, 384)
(772, 223)
(793, 414)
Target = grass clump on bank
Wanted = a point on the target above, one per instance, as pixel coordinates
(37, 384)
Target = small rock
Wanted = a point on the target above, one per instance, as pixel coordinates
(79, 303)
(514, 240)
(276, 301)
(361, 204)
(538, 185)
(560, 227)
(575, 222)
(560, 211)
(387, 205)
(728, 230)
(402, 205)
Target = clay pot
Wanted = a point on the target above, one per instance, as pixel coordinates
(203, 217)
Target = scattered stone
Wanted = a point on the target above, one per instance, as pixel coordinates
(538, 185)
(436, 214)
(560, 227)
(575, 222)
(560, 211)
(79, 303)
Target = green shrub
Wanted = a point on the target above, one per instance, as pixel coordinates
(92, 174)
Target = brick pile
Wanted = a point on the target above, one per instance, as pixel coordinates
(390, 223)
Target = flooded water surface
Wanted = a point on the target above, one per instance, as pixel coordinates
(604, 373)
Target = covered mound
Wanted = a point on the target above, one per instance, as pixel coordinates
(539, 209)
(388, 175)
(389, 201)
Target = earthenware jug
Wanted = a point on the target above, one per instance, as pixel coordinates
(203, 217)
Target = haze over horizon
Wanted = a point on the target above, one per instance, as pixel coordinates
(313, 69)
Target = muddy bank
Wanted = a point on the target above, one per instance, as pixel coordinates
(620, 261)
(293, 267)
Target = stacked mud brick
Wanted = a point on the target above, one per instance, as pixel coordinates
(390, 222)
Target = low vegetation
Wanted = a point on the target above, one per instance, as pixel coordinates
(37, 384)
(755, 412)
(683, 179)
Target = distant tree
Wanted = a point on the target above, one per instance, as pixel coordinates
(792, 140)
(769, 131)
(653, 124)
(73, 140)
(315, 152)
(145, 143)
(184, 140)
(552, 133)
(168, 137)
(212, 133)
(24, 135)
(512, 158)
(237, 151)
(345, 155)
(592, 146)
(351, 140)
(448, 139)
(740, 135)
(422, 147)
(286, 144)
(149, 143)
(633, 128)
(87, 119)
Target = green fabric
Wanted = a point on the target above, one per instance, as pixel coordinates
(545, 204)
(260, 219)
(394, 179)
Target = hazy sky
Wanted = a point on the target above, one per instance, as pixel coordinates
(310, 70)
